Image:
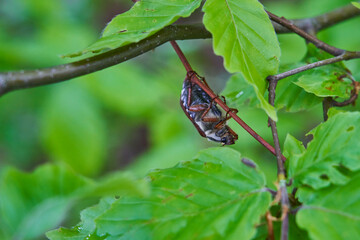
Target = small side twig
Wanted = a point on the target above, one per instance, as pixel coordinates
(270, 226)
(343, 57)
(272, 192)
(349, 101)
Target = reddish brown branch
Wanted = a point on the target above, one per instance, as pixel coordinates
(349, 101)
(221, 103)
(322, 21)
(318, 43)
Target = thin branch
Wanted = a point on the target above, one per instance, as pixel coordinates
(281, 168)
(349, 101)
(221, 103)
(330, 102)
(322, 21)
(343, 57)
(285, 206)
(10, 81)
(311, 38)
(25, 79)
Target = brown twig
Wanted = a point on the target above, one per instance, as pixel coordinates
(285, 206)
(322, 21)
(349, 101)
(221, 103)
(310, 38)
(281, 168)
(10, 81)
(345, 56)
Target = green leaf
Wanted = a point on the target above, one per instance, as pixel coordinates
(215, 196)
(335, 145)
(74, 130)
(333, 80)
(356, 4)
(294, 232)
(328, 81)
(243, 35)
(294, 98)
(123, 89)
(298, 92)
(144, 19)
(32, 203)
(332, 212)
(239, 93)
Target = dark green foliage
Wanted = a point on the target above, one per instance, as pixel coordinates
(128, 117)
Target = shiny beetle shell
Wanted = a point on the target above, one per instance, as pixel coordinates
(211, 124)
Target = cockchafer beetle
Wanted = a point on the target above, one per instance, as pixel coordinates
(200, 108)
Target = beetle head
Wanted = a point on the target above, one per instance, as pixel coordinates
(229, 137)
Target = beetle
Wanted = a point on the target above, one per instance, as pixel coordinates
(200, 108)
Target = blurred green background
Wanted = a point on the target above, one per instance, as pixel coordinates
(128, 117)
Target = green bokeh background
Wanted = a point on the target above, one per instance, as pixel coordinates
(128, 117)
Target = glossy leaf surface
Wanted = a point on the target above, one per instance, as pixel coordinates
(32, 203)
(145, 18)
(335, 145)
(289, 96)
(333, 212)
(243, 35)
(356, 4)
(333, 80)
(215, 196)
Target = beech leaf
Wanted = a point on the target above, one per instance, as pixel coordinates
(214, 196)
(244, 36)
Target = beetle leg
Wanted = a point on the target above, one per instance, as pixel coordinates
(203, 80)
(203, 118)
(202, 133)
(189, 96)
(206, 108)
(234, 110)
(199, 108)
(192, 73)
(227, 117)
(210, 119)
(233, 133)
